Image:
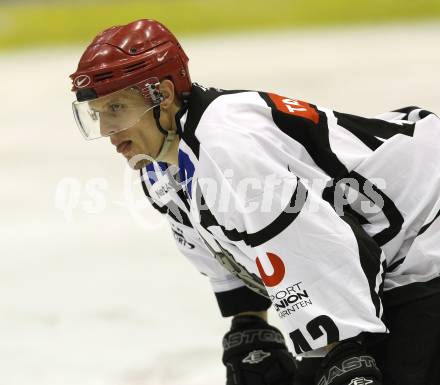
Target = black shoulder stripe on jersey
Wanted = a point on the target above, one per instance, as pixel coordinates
(184, 197)
(329, 195)
(422, 230)
(199, 100)
(240, 300)
(279, 224)
(314, 137)
(389, 209)
(359, 217)
(424, 113)
(395, 265)
(357, 129)
(187, 134)
(369, 253)
(176, 213)
(367, 129)
(406, 111)
(426, 227)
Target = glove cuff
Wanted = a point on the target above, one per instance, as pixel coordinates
(246, 321)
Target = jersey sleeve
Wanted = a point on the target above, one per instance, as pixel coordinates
(322, 272)
(232, 294)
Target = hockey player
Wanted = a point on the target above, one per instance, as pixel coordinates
(331, 218)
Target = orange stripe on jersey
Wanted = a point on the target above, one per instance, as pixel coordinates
(295, 107)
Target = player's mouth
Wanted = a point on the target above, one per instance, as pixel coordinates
(124, 147)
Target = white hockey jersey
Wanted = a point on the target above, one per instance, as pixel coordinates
(316, 211)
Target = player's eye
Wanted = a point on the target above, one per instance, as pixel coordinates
(115, 107)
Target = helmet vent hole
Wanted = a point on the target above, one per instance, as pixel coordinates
(102, 76)
(135, 67)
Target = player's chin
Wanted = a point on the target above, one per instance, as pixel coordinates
(137, 160)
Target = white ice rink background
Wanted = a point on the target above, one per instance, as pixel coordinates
(92, 293)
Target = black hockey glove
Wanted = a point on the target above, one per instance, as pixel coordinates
(348, 364)
(255, 354)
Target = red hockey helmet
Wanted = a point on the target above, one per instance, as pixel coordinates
(122, 56)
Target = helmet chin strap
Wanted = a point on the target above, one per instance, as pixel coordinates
(169, 135)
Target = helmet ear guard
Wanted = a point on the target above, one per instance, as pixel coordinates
(155, 94)
(150, 89)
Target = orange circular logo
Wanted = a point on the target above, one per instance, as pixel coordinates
(279, 270)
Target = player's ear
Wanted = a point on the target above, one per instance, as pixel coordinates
(168, 93)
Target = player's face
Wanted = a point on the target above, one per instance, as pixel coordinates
(142, 137)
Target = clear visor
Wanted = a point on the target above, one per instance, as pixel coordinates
(118, 111)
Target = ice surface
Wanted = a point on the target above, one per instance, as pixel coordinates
(98, 295)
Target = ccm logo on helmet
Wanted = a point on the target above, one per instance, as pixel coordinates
(82, 81)
(279, 270)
